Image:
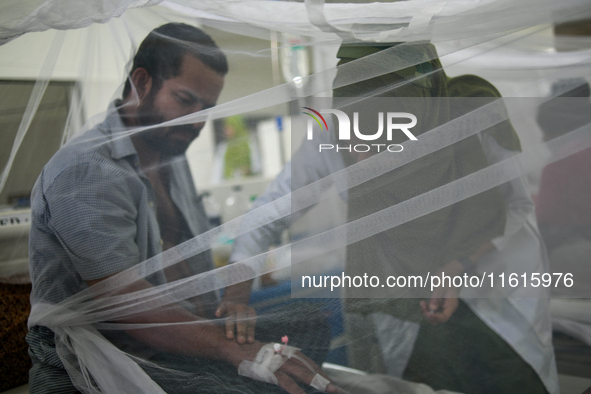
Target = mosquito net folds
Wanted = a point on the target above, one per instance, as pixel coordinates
(271, 196)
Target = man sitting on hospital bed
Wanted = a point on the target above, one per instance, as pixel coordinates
(111, 199)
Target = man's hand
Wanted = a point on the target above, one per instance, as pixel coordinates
(444, 300)
(297, 368)
(441, 306)
(239, 317)
(234, 307)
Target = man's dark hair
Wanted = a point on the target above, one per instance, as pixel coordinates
(163, 50)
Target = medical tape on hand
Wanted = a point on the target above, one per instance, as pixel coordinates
(257, 372)
(319, 382)
(267, 361)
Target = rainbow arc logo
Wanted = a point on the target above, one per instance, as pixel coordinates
(315, 118)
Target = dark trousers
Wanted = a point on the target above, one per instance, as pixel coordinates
(465, 355)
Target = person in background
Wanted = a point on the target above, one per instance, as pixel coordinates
(562, 203)
(478, 344)
(236, 157)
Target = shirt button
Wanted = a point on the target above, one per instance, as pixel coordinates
(161, 242)
(151, 204)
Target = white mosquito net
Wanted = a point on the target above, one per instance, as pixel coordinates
(400, 188)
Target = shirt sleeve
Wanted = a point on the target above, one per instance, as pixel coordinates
(518, 203)
(306, 167)
(93, 214)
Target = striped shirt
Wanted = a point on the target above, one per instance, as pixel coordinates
(94, 215)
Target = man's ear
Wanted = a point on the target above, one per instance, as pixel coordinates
(141, 82)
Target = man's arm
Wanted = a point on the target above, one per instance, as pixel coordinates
(203, 338)
(93, 213)
(519, 207)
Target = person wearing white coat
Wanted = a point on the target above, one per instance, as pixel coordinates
(515, 320)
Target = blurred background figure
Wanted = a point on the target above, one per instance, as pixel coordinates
(236, 155)
(562, 204)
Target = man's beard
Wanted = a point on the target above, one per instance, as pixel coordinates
(158, 138)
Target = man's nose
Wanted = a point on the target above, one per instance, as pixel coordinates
(195, 111)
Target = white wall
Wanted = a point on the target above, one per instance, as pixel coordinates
(98, 57)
